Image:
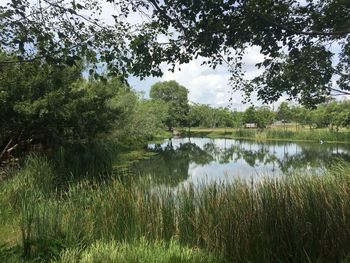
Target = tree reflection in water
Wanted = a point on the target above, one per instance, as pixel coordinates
(170, 166)
(175, 157)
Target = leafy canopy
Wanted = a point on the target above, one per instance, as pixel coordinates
(305, 43)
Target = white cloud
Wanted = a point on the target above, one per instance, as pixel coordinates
(252, 56)
(209, 86)
(205, 85)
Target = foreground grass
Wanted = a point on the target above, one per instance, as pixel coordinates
(301, 218)
(138, 252)
(315, 135)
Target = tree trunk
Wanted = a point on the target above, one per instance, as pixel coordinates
(7, 146)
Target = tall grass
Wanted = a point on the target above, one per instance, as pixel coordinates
(35, 181)
(138, 252)
(301, 218)
(308, 135)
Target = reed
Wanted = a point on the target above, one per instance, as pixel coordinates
(276, 134)
(310, 135)
(36, 180)
(306, 135)
(297, 218)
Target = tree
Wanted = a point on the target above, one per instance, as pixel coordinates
(175, 96)
(264, 117)
(284, 112)
(194, 115)
(225, 118)
(250, 115)
(202, 115)
(237, 119)
(320, 117)
(144, 119)
(50, 105)
(61, 32)
(336, 113)
(305, 43)
(67, 32)
(302, 116)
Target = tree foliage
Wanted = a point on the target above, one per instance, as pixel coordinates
(261, 116)
(202, 115)
(284, 112)
(52, 106)
(142, 119)
(62, 33)
(300, 41)
(175, 97)
(333, 114)
(305, 43)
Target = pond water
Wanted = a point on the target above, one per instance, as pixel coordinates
(203, 160)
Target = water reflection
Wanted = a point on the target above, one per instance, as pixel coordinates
(196, 159)
(172, 163)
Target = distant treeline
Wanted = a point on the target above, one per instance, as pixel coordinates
(334, 115)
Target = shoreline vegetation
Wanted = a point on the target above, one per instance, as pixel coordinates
(271, 134)
(297, 218)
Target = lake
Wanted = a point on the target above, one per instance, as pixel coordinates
(204, 160)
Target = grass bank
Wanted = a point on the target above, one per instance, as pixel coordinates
(314, 135)
(301, 218)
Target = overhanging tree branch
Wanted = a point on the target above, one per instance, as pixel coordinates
(29, 60)
(166, 17)
(343, 74)
(272, 22)
(343, 92)
(73, 12)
